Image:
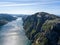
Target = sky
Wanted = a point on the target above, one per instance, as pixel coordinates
(29, 6)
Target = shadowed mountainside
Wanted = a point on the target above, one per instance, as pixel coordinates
(5, 18)
(43, 28)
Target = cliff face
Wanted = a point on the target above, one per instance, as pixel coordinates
(43, 29)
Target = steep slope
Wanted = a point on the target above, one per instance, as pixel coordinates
(43, 29)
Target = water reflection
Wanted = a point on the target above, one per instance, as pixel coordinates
(13, 34)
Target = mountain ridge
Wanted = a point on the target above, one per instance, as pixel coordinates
(40, 27)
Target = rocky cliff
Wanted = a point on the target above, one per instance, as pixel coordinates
(43, 28)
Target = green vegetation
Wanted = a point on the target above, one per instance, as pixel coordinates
(43, 29)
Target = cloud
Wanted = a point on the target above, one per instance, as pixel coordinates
(3, 4)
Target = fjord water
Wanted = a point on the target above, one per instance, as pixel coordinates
(13, 34)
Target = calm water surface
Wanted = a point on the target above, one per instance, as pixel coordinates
(13, 34)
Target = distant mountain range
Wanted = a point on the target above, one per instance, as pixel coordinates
(43, 28)
(5, 18)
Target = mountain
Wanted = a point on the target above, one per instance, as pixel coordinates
(43, 28)
(5, 18)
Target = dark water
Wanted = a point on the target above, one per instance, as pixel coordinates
(13, 34)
